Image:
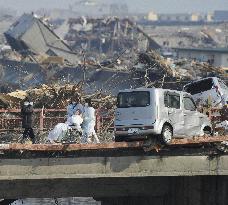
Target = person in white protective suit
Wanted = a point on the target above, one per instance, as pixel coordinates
(76, 120)
(61, 129)
(74, 105)
(89, 122)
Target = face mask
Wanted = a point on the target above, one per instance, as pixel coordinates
(86, 104)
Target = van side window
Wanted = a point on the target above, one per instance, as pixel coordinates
(172, 100)
(189, 104)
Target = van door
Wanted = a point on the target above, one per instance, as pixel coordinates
(192, 117)
(135, 108)
(174, 112)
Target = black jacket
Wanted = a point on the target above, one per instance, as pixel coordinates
(26, 114)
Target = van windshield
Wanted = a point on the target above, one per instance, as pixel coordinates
(200, 86)
(133, 99)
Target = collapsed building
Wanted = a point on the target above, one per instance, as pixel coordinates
(29, 35)
(107, 35)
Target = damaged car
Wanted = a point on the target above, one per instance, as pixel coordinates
(147, 112)
(210, 90)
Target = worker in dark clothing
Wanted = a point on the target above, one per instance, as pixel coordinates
(26, 114)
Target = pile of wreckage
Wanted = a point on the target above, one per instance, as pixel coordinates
(100, 39)
(181, 69)
(107, 36)
(111, 45)
(54, 97)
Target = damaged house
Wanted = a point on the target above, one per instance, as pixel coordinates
(107, 35)
(30, 35)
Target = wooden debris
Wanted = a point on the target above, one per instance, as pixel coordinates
(67, 147)
(53, 96)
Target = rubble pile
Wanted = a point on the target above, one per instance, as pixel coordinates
(109, 44)
(193, 69)
(182, 68)
(153, 61)
(54, 97)
(106, 36)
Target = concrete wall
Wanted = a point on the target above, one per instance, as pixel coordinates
(224, 60)
(220, 59)
(221, 15)
(168, 180)
(180, 191)
(174, 17)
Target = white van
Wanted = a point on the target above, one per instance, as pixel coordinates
(145, 112)
(211, 87)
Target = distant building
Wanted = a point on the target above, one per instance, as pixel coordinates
(30, 35)
(209, 17)
(195, 17)
(179, 17)
(174, 17)
(221, 15)
(215, 56)
(152, 16)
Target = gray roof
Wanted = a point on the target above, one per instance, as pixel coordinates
(21, 26)
(38, 38)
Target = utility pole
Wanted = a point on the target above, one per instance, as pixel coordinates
(84, 66)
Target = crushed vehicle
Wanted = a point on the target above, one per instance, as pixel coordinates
(147, 112)
(211, 90)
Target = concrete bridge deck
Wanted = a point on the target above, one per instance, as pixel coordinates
(116, 170)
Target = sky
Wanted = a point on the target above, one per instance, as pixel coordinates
(159, 6)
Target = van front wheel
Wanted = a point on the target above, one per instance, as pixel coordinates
(167, 134)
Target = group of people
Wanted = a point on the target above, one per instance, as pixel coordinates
(79, 117)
